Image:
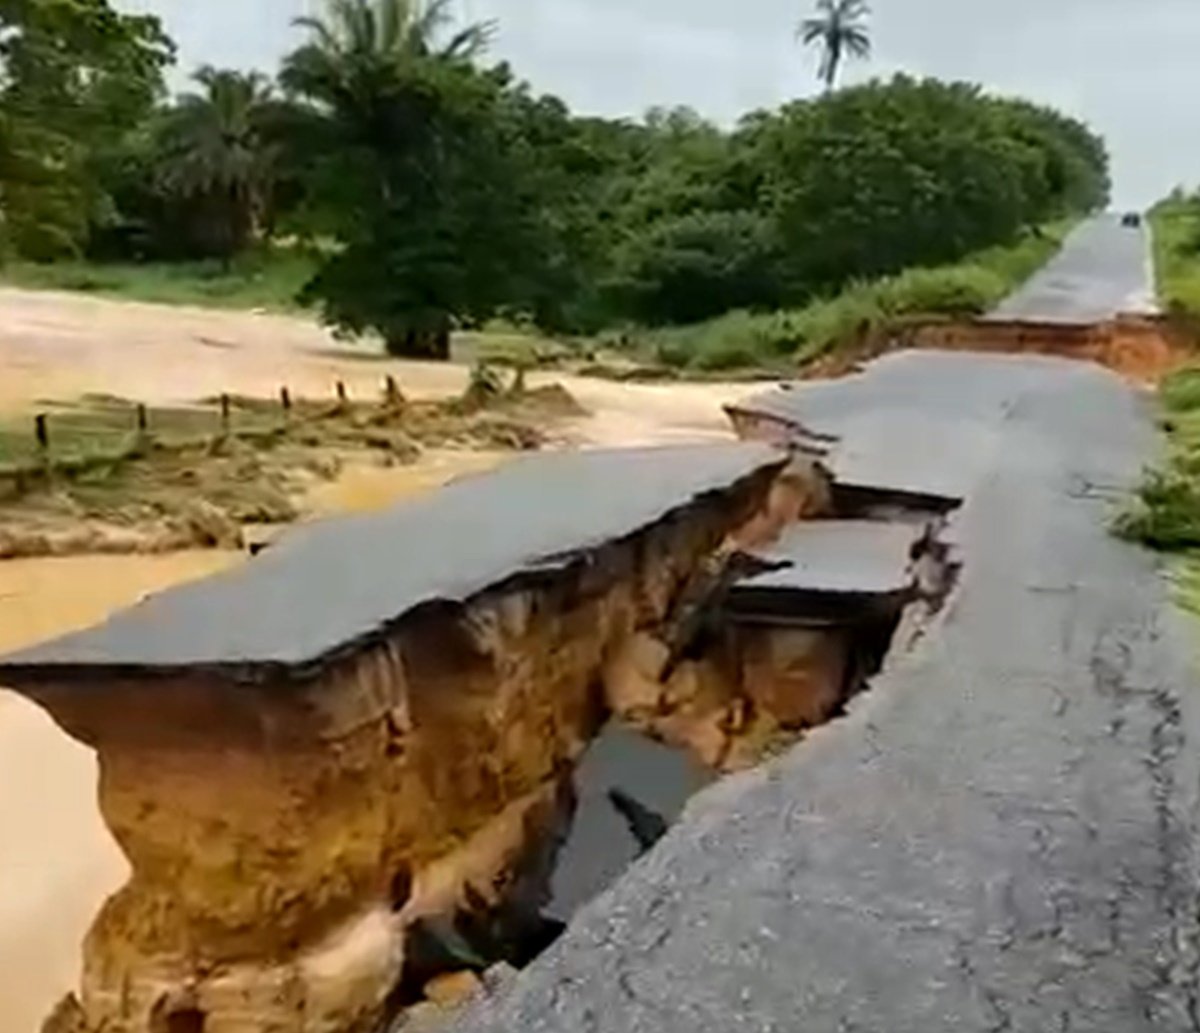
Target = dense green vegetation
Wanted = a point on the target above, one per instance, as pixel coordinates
(1166, 511)
(1176, 225)
(864, 310)
(445, 193)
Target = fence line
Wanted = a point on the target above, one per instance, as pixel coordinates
(23, 476)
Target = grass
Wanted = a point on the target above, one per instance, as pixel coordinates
(1176, 225)
(780, 340)
(1165, 512)
(1187, 582)
(267, 280)
(99, 425)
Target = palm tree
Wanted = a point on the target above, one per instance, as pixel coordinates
(839, 28)
(362, 69)
(216, 156)
(357, 40)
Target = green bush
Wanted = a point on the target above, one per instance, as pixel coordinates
(736, 340)
(1181, 393)
(740, 339)
(1176, 225)
(954, 291)
(1166, 513)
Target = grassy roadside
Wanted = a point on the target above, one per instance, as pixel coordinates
(1165, 513)
(781, 340)
(1176, 226)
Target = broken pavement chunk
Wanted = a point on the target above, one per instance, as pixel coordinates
(820, 568)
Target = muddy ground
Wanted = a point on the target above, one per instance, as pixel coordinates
(229, 474)
(57, 863)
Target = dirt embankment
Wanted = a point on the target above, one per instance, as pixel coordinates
(57, 862)
(1143, 349)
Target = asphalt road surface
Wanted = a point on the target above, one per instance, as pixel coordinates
(1104, 270)
(919, 423)
(533, 515)
(1001, 836)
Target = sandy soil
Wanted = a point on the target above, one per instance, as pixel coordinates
(57, 862)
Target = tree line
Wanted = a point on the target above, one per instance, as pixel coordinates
(437, 189)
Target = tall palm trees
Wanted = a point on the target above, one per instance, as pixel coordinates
(402, 124)
(355, 42)
(839, 28)
(216, 155)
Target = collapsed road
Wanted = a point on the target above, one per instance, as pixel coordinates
(1001, 835)
(346, 774)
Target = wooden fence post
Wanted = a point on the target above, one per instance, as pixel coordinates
(41, 431)
(392, 397)
(143, 419)
(224, 414)
(285, 400)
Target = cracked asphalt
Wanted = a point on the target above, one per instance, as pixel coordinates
(1000, 836)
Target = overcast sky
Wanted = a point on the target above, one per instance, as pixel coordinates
(1129, 67)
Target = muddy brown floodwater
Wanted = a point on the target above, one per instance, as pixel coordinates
(57, 861)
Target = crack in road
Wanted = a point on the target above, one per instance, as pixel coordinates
(1001, 836)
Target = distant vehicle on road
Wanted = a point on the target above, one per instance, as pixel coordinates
(1131, 219)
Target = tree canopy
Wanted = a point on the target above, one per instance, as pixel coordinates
(75, 79)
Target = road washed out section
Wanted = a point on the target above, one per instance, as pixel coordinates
(1002, 834)
(369, 727)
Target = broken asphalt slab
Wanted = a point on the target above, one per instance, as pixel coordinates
(1000, 836)
(922, 423)
(328, 587)
(841, 556)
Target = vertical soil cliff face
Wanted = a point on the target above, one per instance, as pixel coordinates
(286, 838)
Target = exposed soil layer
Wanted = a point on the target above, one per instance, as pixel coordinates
(287, 839)
(1144, 349)
(316, 850)
(63, 347)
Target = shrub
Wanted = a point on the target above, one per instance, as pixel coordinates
(865, 309)
(964, 290)
(1166, 513)
(1181, 392)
